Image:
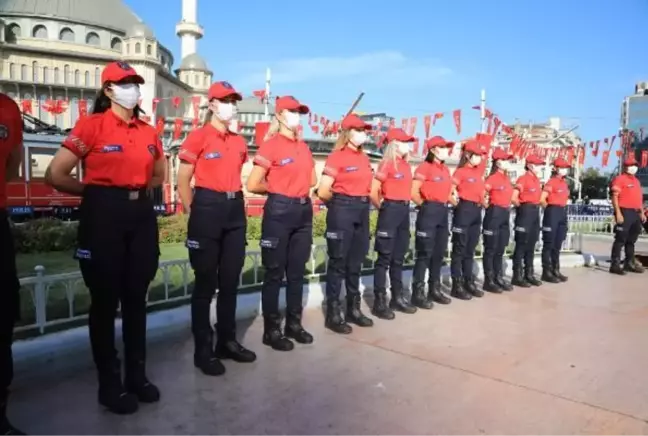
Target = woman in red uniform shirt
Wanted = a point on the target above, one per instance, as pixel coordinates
(285, 170)
(390, 194)
(497, 226)
(627, 201)
(526, 198)
(345, 187)
(214, 156)
(468, 182)
(431, 192)
(554, 198)
(118, 237)
(11, 138)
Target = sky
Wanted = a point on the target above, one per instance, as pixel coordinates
(574, 59)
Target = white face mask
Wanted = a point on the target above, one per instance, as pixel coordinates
(442, 153)
(563, 171)
(535, 169)
(224, 111)
(475, 160)
(358, 138)
(403, 148)
(291, 119)
(127, 95)
(632, 170)
(503, 165)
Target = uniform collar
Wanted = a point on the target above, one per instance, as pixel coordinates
(217, 132)
(114, 118)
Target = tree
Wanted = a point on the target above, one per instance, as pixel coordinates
(595, 184)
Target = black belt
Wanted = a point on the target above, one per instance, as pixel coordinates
(363, 199)
(219, 195)
(290, 200)
(474, 203)
(125, 193)
(405, 202)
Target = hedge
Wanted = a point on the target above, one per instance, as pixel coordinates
(47, 235)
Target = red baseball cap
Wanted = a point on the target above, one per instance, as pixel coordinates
(438, 142)
(221, 90)
(534, 159)
(290, 103)
(354, 122)
(630, 161)
(561, 163)
(475, 147)
(501, 154)
(395, 134)
(118, 71)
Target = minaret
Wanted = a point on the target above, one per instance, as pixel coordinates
(188, 29)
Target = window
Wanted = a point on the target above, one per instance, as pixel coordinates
(40, 159)
(97, 77)
(66, 35)
(92, 39)
(57, 75)
(74, 110)
(196, 80)
(40, 31)
(34, 72)
(86, 78)
(127, 48)
(60, 118)
(149, 49)
(42, 113)
(46, 78)
(138, 48)
(66, 74)
(116, 44)
(77, 77)
(12, 33)
(205, 81)
(13, 71)
(23, 72)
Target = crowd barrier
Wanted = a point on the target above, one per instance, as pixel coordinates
(53, 302)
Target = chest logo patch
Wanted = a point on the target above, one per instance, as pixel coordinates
(4, 132)
(399, 175)
(151, 149)
(213, 155)
(437, 179)
(112, 149)
(471, 180)
(286, 161)
(351, 169)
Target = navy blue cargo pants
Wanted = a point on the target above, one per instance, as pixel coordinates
(554, 232)
(527, 232)
(466, 226)
(118, 255)
(626, 235)
(286, 243)
(392, 242)
(431, 243)
(216, 243)
(347, 240)
(9, 302)
(497, 233)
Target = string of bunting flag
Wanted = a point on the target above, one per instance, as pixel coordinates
(327, 127)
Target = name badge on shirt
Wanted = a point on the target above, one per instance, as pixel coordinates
(498, 188)
(558, 191)
(630, 185)
(532, 189)
(471, 180)
(152, 150)
(437, 179)
(112, 149)
(213, 155)
(286, 161)
(399, 175)
(351, 169)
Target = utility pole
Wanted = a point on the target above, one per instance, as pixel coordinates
(482, 108)
(266, 109)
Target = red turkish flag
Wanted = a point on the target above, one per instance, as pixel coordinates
(644, 158)
(83, 108)
(605, 158)
(437, 116)
(412, 125)
(427, 123)
(26, 106)
(456, 116)
(177, 128)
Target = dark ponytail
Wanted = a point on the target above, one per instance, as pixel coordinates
(463, 161)
(102, 103)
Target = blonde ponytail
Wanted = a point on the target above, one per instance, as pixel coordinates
(208, 117)
(342, 140)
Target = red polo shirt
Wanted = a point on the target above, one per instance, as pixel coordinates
(529, 187)
(218, 158)
(115, 152)
(11, 136)
(557, 190)
(437, 182)
(629, 190)
(351, 170)
(396, 179)
(499, 189)
(469, 182)
(289, 164)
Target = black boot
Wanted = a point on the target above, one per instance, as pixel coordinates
(399, 303)
(556, 271)
(530, 277)
(632, 266)
(381, 308)
(112, 393)
(334, 320)
(490, 285)
(436, 294)
(272, 336)
(418, 297)
(354, 313)
(548, 275)
(136, 382)
(519, 280)
(5, 426)
(227, 347)
(458, 290)
(470, 287)
(204, 356)
(295, 330)
(503, 284)
(615, 268)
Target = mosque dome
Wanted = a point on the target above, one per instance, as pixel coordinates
(193, 62)
(140, 30)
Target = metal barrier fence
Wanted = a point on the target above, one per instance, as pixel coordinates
(52, 302)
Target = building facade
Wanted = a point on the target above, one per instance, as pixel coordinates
(634, 118)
